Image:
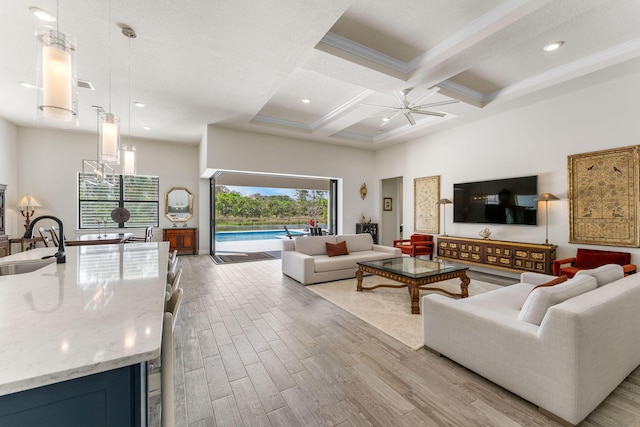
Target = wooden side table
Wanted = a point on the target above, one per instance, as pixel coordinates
(184, 240)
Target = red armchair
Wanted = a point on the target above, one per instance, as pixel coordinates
(587, 259)
(417, 244)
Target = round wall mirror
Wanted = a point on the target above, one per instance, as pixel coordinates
(178, 202)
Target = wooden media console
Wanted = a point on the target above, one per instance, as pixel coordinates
(503, 255)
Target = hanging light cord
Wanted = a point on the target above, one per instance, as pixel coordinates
(129, 103)
(109, 31)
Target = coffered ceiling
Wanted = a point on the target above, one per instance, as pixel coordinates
(248, 64)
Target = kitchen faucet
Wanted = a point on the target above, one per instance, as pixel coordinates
(60, 255)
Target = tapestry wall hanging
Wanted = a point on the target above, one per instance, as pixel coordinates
(426, 212)
(603, 197)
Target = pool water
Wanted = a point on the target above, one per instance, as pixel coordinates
(234, 236)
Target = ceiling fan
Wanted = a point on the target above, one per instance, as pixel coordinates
(416, 107)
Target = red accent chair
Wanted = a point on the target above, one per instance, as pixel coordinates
(417, 244)
(587, 259)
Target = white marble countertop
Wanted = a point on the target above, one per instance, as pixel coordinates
(101, 310)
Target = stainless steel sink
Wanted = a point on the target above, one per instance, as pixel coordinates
(26, 266)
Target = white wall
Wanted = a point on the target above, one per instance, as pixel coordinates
(532, 140)
(229, 149)
(9, 173)
(48, 161)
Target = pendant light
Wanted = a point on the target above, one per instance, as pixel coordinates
(129, 150)
(108, 138)
(129, 159)
(109, 124)
(57, 80)
(100, 171)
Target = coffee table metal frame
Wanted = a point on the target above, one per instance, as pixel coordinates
(414, 283)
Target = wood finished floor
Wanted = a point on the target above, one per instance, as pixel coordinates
(255, 348)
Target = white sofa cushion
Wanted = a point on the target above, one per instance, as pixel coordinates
(324, 263)
(357, 242)
(538, 302)
(506, 300)
(314, 245)
(604, 274)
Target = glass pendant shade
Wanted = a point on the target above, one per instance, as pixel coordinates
(108, 138)
(96, 173)
(58, 94)
(129, 159)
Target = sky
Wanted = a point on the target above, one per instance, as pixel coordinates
(248, 191)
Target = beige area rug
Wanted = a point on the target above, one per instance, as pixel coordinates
(388, 309)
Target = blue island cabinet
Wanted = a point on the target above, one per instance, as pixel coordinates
(114, 398)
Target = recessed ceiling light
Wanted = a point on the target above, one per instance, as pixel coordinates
(42, 14)
(139, 104)
(553, 46)
(28, 85)
(146, 127)
(306, 100)
(385, 119)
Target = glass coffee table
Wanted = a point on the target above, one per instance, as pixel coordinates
(414, 273)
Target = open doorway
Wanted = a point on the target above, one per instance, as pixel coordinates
(391, 222)
(252, 213)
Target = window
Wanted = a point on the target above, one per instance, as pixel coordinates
(138, 194)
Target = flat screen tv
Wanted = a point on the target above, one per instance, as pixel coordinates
(499, 201)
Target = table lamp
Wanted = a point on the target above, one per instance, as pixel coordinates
(26, 204)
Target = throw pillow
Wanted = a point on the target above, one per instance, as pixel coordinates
(553, 282)
(537, 303)
(337, 249)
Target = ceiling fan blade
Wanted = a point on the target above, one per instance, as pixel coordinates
(401, 98)
(408, 116)
(382, 106)
(384, 123)
(437, 104)
(429, 113)
(424, 97)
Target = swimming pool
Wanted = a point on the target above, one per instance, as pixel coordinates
(234, 236)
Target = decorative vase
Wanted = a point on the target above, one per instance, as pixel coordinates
(485, 233)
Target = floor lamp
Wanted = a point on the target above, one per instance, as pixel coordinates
(546, 197)
(444, 202)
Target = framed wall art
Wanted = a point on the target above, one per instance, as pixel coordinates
(603, 197)
(387, 204)
(426, 212)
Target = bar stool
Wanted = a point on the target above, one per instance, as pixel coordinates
(173, 282)
(162, 381)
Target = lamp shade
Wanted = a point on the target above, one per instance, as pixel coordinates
(129, 159)
(444, 202)
(545, 197)
(108, 138)
(27, 202)
(57, 97)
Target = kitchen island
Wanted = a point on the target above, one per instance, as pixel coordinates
(76, 337)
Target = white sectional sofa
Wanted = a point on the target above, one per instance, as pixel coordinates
(305, 258)
(582, 349)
